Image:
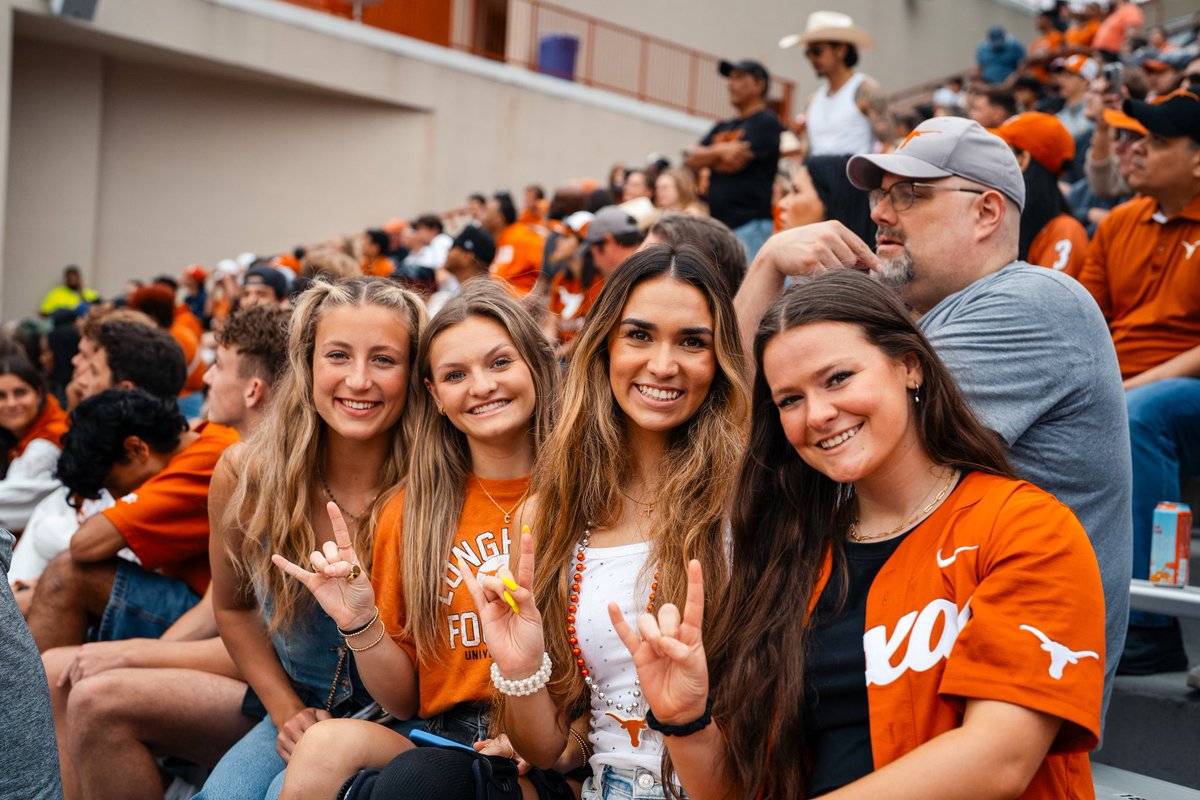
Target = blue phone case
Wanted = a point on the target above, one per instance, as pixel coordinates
(423, 738)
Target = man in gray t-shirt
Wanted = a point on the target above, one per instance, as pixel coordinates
(28, 753)
(1027, 345)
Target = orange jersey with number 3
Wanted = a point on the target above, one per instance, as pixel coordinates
(1061, 245)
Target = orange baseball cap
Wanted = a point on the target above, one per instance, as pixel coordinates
(1123, 122)
(395, 225)
(195, 272)
(1043, 136)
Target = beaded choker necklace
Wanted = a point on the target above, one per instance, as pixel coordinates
(630, 716)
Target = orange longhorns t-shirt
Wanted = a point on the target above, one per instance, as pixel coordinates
(570, 301)
(1061, 245)
(165, 520)
(50, 425)
(482, 540)
(1141, 268)
(996, 596)
(518, 257)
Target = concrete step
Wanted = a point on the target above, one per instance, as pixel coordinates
(1153, 725)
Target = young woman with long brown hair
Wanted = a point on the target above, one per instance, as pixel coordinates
(903, 617)
(632, 485)
(485, 409)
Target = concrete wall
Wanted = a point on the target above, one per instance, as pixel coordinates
(132, 160)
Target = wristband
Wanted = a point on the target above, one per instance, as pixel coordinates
(524, 686)
(361, 629)
(680, 730)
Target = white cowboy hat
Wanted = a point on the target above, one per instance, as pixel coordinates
(829, 26)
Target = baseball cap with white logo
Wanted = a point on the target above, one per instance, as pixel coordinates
(941, 147)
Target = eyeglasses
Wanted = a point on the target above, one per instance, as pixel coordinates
(814, 50)
(902, 194)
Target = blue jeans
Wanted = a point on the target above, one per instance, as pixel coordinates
(623, 784)
(308, 651)
(1164, 433)
(753, 235)
(142, 604)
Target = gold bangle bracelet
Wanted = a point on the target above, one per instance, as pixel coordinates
(382, 633)
(359, 631)
(583, 745)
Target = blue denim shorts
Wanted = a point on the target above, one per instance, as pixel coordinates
(465, 723)
(143, 604)
(623, 784)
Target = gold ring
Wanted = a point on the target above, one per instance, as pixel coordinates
(355, 571)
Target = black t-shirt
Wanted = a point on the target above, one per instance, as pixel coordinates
(736, 198)
(836, 716)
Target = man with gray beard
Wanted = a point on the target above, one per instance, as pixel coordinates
(1027, 345)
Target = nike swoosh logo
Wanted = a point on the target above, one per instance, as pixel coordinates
(945, 562)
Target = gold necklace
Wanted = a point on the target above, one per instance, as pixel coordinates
(858, 536)
(647, 509)
(507, 514)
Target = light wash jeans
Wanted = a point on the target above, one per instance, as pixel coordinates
(1164, 434)
(623, 784)
(753, 235)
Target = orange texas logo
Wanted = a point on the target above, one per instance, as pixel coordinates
(912, 136)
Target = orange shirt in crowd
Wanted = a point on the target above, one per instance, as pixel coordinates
(190, 343)
(381, 267)
(165, 520)
(570, 301)
(50, 425)
(518, 257)
(1061, 245)
(185, 317)
(980, 602)
(1080, 36)
(1110, 34)
(1046, 46)
(482, 541)
(1141, 268)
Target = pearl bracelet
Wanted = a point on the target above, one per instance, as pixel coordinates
(525, 686)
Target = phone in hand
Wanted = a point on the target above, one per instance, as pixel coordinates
(1114, 78)
(423, 738)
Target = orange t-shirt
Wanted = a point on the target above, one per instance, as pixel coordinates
(1044, 47)
(165, 520)
(570, 301)
(50, 425)
(996, 596)
(1080, 36)
(482, 540)
(1141, 268)
(185, 317)
(1110, 34)
(1061, 245)
(518, 257)
(381, 267)
(190, 343)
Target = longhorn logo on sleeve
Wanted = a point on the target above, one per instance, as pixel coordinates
(1060, 654)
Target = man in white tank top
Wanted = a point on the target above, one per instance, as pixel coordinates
(848, 113)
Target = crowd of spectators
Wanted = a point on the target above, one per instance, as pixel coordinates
(1037, 218)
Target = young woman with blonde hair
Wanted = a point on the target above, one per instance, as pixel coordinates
(484, 411)
(631, 486)
(334, 444)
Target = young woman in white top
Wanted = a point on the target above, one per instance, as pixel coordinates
(631, 485)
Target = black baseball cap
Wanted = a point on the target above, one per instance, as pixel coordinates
(1175, 114)
(478, 242)
(748, 66)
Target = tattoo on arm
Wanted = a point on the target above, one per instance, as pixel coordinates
(873, 102)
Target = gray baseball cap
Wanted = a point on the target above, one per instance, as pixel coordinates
(941, 147)
(610, 220)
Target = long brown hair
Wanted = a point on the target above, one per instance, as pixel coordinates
(586, 461)
(437, 469)
(787, 516)
(270, 505)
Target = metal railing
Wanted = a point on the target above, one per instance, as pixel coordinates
(566, 44)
